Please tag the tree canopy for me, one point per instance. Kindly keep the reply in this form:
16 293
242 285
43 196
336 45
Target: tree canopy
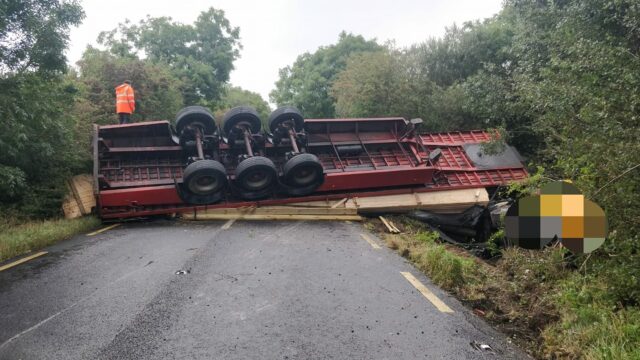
34 34
306 84
158 91
236 96
200 55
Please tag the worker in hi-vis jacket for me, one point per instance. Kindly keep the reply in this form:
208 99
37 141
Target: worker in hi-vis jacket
125 102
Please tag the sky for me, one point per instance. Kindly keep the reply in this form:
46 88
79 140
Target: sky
274 32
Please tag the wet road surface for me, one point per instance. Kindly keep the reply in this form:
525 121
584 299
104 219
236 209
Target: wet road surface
252 290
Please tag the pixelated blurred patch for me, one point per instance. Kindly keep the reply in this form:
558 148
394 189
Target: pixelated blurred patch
560 212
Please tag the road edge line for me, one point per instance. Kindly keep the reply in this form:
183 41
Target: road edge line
439 304
370 241
103 229
23 260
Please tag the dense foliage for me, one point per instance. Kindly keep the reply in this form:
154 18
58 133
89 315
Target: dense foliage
200 55
236 96
34 35
307 82
158 92
36 141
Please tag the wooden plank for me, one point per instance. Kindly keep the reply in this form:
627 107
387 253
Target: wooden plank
80 199
390 227
202 216
70 207
76 196
84 186
281 210
438 201
311 204
339 203
393 226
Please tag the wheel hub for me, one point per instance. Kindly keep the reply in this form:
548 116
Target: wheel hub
257 180
203 184
304 175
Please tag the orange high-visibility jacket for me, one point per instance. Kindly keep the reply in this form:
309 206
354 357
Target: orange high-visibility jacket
125 101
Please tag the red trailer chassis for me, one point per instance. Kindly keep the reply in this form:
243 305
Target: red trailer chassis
137 167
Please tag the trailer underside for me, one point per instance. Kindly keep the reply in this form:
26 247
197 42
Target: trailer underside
138 168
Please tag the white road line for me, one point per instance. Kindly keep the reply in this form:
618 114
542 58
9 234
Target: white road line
426 293
370 241
228 224
82 299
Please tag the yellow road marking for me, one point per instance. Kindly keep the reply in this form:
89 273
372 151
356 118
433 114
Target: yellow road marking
228 224
370 241
103 229
23 260
426 293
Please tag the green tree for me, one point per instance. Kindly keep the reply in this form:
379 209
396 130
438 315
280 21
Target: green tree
158 91
37 138
306 84
34 34
237 96
581 76
201 55
394 82
372 84
465 50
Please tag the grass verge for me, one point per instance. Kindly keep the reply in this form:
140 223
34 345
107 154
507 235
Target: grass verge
547 307
18 239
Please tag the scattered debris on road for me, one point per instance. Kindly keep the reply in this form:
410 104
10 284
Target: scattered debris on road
481 347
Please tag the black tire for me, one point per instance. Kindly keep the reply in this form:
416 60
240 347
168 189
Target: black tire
283 114
195 115
204 177
193 199
302 174
254 195
241 115
256 175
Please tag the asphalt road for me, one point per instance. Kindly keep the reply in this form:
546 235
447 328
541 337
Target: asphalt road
257 290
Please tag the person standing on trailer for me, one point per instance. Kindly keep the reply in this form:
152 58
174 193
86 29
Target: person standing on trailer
125 102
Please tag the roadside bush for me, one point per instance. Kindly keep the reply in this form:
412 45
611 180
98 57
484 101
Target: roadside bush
37 143
13 182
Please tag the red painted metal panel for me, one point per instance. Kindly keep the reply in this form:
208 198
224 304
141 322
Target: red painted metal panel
140 196
135 125
396 176
382 119
456 137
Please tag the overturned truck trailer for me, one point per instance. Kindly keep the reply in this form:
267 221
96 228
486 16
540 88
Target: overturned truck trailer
152 168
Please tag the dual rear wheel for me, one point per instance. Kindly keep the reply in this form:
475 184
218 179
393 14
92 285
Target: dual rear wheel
302 174
205 181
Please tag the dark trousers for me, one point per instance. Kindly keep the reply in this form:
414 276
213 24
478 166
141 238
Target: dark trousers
124 118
